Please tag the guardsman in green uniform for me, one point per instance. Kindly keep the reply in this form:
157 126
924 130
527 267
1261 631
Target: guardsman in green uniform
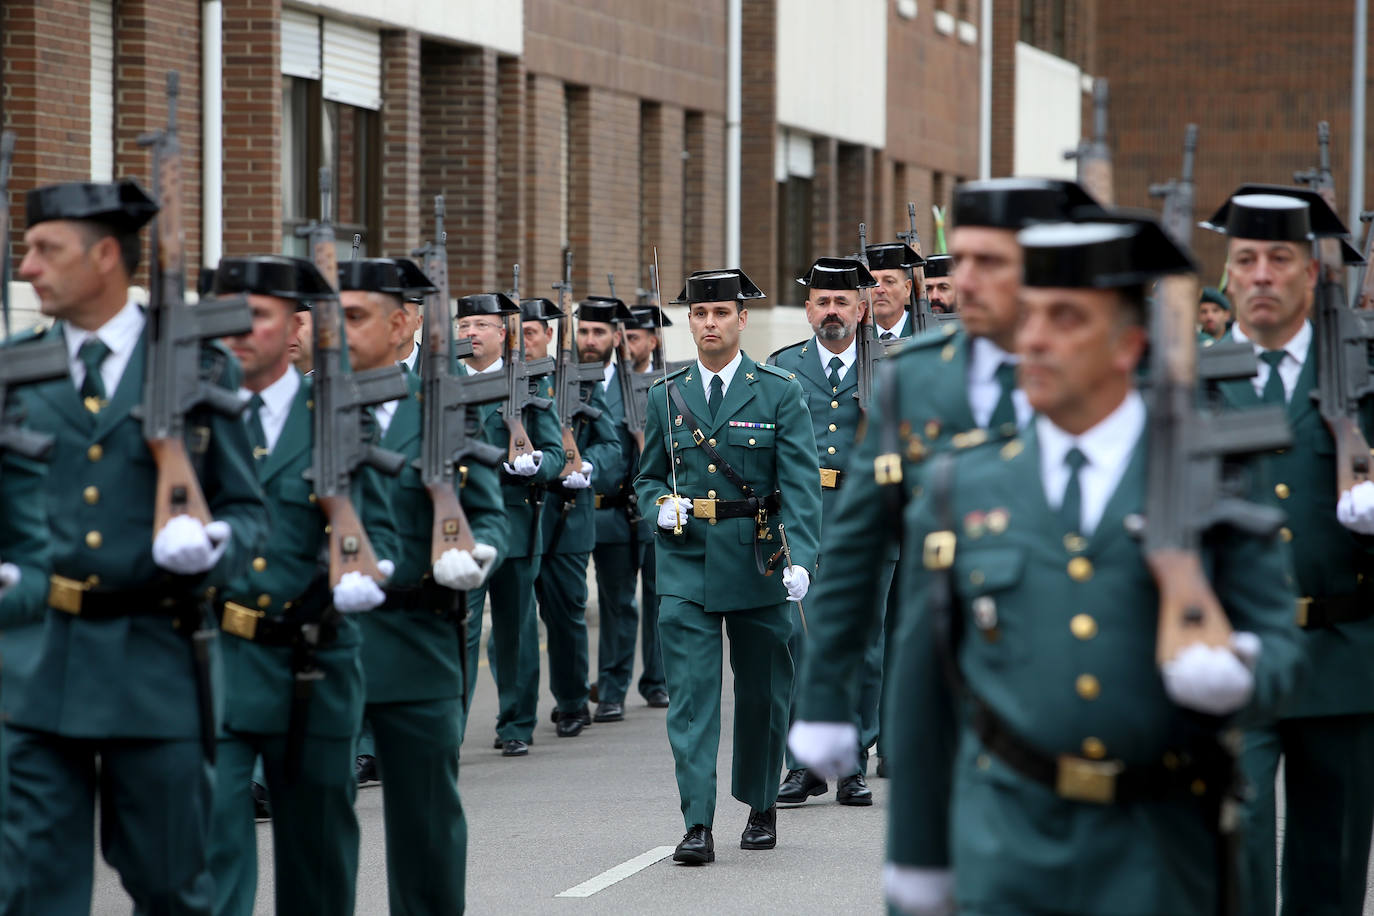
1213 316
730 463
263 616
825 367
952 382
1086 778
514 649
939 270
1325 734
413 645
569 530
618 528
115 676
892 290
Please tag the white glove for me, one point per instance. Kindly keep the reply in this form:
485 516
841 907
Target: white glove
9 577
798 582
828 749
186 547
1355 509
485 557
674 511
456 569
1213 680
525 465
356 592
386 568
579 480
919 891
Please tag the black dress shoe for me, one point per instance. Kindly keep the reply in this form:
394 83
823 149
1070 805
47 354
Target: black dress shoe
658 698
365 768
498 744
515 748
799 786
882 767
697 847
262 811
569 726
854 790
609 712
592 694
761 831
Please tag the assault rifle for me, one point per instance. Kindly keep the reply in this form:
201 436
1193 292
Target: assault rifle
173 383
1187 490
1094 156
869 348
342 427
1364 280
634 389
519 375
448 401
922 317
569 375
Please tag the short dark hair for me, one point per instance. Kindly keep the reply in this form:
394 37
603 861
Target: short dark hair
1133 304
130 245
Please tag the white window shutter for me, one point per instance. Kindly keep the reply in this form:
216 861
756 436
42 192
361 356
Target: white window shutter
102 90
352 65
300 44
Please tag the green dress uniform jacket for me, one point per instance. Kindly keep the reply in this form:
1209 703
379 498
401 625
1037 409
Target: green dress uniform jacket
599 442
315 832
1059 642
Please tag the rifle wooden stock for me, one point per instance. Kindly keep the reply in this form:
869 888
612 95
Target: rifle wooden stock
574 462
451 529
1189 611
349 548
178 491
519 439
1352 453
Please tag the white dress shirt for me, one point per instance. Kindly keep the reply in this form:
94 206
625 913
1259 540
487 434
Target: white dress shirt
726 376
1107 447
850 354
276 404
120 334
409 361
984 391
1294 355
896 330
608 373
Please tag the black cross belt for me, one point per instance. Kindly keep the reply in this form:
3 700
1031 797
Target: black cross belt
1314 613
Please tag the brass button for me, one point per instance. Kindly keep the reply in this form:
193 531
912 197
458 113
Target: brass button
712 521
264 600
91 495
711 468
1075 543
710 494
94 540
1094 749
1282 491
1198 788
752 441
833 427
95 452
1286 534
947 354
259 564
713 442
976 577
1083 626
830 450
1087 687
983 761
92 581
314 498
834 404
1080 569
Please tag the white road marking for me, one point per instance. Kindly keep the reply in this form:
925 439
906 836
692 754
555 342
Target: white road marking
618 873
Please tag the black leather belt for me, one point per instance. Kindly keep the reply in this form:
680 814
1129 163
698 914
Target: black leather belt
622 500
1314 613
1206 776
735 508
72 596
270 630
427 596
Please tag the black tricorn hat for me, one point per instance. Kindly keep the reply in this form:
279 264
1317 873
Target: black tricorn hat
892 256
122 205
720 285
1015 203
487 304
539 309
1127 251
397 276
1276 213
271 275
837 273
651 317
607 310
939 265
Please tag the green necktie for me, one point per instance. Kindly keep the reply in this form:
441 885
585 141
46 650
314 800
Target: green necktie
1005 411
836 364
717 395
1273 388
256 436
887 335
1071 508
92 354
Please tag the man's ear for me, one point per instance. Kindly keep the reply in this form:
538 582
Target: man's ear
106 255
743 317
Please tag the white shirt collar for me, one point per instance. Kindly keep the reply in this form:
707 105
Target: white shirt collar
120 334
1297 347
608 373
896 330
409 361
847 356
276 404
494 367
1290 367
726 375
986 357
385 413
1107 448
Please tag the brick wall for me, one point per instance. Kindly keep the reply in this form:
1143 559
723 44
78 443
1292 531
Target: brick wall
402 206
932 94
854 197
1004 85
661 179
252 127
510 184
825 185
704 220
543 193
603 190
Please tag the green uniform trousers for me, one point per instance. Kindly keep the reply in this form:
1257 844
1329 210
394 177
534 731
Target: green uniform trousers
314 829
562 592
1329 813
154 817
615 595
513 652
890 618
763 679
650 653
426 830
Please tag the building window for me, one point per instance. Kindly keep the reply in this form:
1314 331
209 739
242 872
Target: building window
1028 22
1058 29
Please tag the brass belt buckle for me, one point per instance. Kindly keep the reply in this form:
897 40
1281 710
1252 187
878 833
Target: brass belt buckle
939 550
1087 780
830 478
240 621
887 469
65 594
599 498
1303 609
703 508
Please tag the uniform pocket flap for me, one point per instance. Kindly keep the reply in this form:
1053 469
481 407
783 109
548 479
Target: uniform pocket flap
745 437
989 569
